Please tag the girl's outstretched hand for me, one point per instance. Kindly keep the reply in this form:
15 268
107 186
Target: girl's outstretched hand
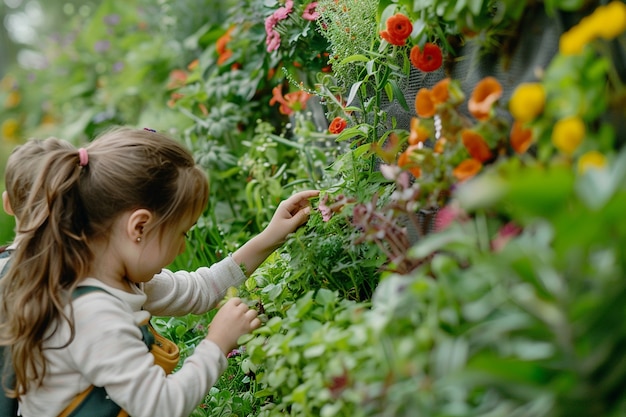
233 320
290 214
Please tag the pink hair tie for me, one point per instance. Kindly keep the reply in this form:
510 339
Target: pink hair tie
83 158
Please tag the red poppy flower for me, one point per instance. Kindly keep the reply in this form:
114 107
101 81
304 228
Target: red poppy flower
337 125
399 28
428 60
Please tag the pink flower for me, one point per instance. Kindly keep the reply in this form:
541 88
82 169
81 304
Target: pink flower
283 12
449 214
273 37
505 234
325 211
310 12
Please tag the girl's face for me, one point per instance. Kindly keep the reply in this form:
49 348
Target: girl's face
160 247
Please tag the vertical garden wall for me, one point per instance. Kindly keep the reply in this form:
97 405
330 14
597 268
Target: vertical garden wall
467 253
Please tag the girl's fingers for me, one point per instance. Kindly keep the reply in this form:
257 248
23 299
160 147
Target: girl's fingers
251 314
255 324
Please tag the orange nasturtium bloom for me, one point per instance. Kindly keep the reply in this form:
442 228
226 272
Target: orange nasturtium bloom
337 125
485 94
568 133
521 137
417 133
476 145
467 169
405 161
441 91
527 102
425 103
399 28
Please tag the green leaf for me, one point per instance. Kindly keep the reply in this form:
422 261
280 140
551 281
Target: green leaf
353 92
398 94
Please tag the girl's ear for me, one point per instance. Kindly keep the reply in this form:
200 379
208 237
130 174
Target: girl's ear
137 221
6 204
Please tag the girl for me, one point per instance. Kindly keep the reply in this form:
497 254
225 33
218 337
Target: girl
113 215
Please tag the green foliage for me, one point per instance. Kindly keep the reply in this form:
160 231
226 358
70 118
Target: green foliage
520 331
512 307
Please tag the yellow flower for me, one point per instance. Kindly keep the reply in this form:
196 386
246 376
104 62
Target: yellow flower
13 99
608 21
568 133
9 129
527 101
591 160
574 40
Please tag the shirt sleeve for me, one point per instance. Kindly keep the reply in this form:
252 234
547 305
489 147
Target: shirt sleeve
108 351
182 292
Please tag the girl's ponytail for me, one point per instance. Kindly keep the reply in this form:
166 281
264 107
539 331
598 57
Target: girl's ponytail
52 253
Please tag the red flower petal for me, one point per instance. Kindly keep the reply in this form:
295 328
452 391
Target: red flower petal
428 60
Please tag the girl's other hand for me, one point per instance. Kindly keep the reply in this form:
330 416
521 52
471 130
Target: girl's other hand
233 320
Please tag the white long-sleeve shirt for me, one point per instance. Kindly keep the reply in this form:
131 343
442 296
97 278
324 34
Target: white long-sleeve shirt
108 349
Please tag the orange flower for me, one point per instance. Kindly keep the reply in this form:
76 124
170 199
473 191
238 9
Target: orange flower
399 28
521 137
440 145
418 133
476 145
223 53
178 78
425 103
441 91
485 94
428 60
337 125
225 56
222 41
405 161
174 97
467 169
297 100
290 102
193 65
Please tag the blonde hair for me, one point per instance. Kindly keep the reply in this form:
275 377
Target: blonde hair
68 206
23 165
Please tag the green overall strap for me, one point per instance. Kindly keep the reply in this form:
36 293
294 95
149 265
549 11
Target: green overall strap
97 403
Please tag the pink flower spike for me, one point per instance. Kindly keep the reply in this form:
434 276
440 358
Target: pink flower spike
310 12
325 211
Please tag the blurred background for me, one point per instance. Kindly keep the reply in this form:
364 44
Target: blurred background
70 68
25 26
